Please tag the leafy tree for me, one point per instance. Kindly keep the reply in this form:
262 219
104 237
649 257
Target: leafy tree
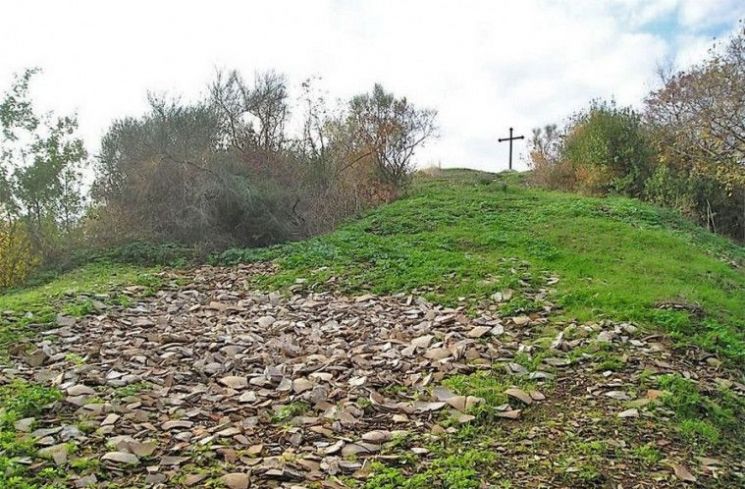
390 129
40 164
698 118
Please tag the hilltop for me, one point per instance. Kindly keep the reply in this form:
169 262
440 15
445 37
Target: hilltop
475 333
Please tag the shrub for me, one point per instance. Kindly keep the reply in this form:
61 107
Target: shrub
603 149
17 257
608 149
222 172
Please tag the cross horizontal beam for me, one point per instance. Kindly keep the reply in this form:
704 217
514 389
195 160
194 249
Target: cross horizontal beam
510 139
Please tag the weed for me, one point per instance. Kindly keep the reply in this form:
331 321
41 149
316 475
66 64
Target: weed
74 358
288 411
701 418
457 471
647 454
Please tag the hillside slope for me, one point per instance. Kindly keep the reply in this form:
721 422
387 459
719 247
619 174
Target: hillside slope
465 235
476 333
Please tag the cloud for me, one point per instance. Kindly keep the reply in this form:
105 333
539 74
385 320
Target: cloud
484 65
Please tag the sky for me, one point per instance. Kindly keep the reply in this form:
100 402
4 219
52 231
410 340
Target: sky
483 65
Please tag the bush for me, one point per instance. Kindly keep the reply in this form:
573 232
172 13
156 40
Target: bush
608 149
604 149
17 258
222 172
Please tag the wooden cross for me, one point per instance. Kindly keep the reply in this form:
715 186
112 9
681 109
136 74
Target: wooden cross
510 139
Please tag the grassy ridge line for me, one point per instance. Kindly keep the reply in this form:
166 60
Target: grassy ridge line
465 235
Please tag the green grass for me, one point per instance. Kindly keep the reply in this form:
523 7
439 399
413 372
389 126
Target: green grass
703 418
39 305
466 236
18 400
288 411
452 470
648 454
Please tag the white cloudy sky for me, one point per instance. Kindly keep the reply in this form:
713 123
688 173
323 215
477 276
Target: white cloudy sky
485 65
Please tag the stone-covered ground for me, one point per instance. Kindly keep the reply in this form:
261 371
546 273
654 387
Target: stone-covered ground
209 383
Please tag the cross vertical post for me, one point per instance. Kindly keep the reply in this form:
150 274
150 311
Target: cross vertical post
510 139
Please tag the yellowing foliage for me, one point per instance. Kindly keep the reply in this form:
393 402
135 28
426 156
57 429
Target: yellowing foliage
17 258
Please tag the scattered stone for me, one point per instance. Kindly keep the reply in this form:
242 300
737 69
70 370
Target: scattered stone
301 385
177 423
438 353
422 341
255 450
324 382
142 449
377 436
58 453
618 395
110 420
86 481
248 396
36 357
121 458
24 424
537 396
606 336
520 395
265 321
194 479
521 320
479 331
714 362
629 413
509 414
682 473
170 461
234 382
80 390
236 480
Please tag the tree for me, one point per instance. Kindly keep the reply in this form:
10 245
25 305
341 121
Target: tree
253 117
390 130
698 118
40 162
545 143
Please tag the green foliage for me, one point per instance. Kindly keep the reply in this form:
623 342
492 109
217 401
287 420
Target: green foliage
223 172
41 161
20 399
609 149
701 418
460 470
150 254
17 257
683 151
648 454
390 129
132 389
487 385
288 411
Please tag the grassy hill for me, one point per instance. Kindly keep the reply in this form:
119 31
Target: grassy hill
465 235
655 405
